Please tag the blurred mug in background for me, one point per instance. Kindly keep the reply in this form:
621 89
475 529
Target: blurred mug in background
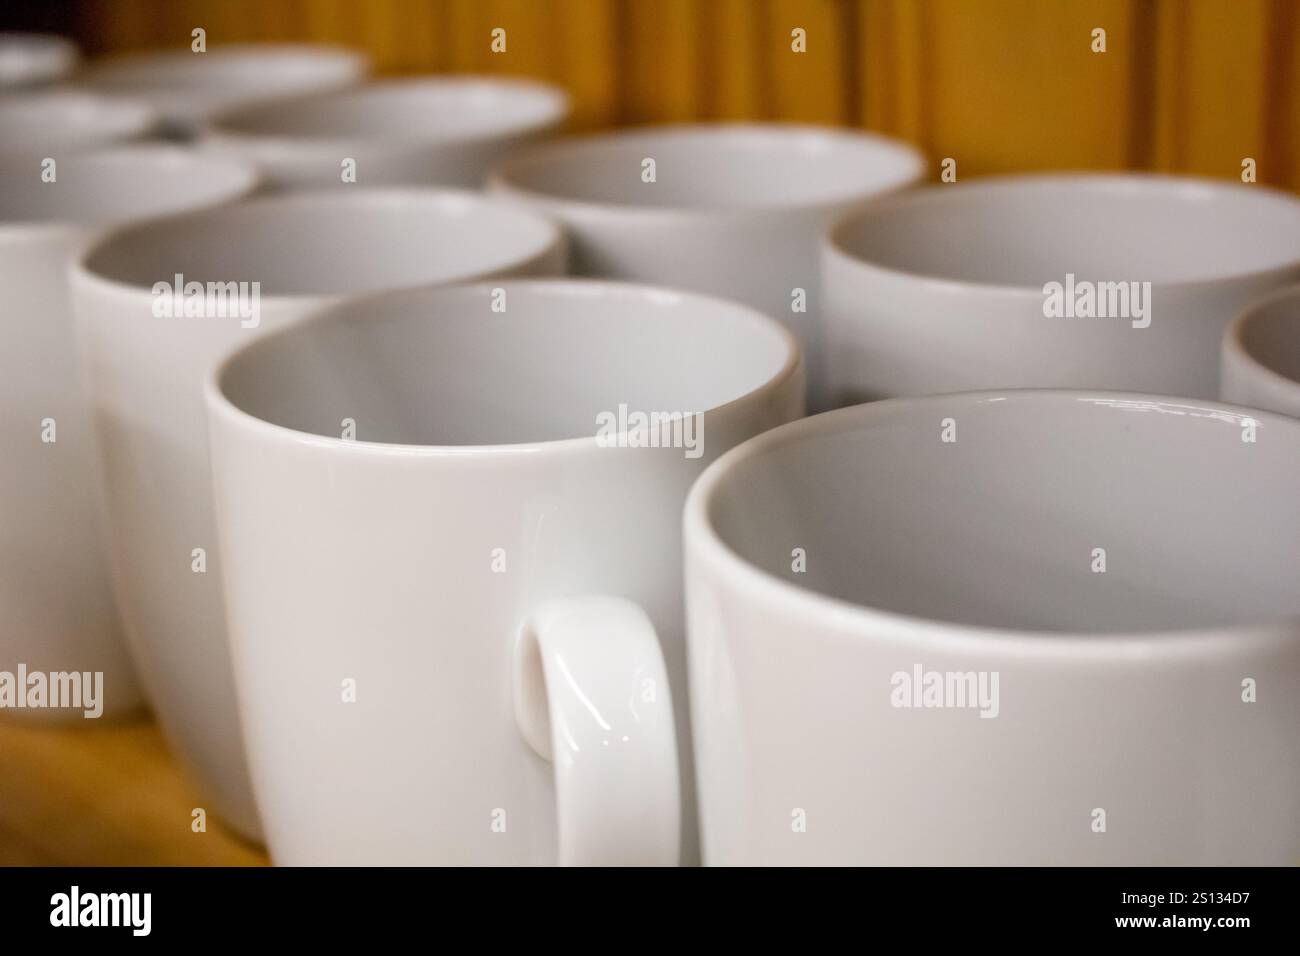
1050 281
188 87
29 60
734 210
158 305
60 614
442 131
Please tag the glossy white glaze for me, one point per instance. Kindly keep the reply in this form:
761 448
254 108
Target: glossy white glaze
1120 690
307 250
445 130
736 210
54 580
942 290
187 87
601 710
424 560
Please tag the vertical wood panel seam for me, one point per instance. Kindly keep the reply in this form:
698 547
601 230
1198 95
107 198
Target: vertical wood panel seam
927 82
711 33
1180 101
621 42
1140 149
851 99
1279 82
766 81
886 49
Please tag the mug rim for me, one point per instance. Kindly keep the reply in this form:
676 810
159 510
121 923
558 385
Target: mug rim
441 196
139 68
212 81
222 126
863 622
503 177
834 248
354 309
1234 345
149 153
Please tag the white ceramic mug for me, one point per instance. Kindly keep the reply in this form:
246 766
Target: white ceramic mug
1021 627
987 284
188 87
426 612
48 124
1260 362
148 360
733 210
59 614
443 130
35 59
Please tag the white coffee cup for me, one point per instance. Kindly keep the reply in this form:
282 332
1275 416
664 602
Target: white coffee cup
47 124
35 59
734 210
483 567
306 251
1260 363
443 130
984 284
188 87
59 615
1021 627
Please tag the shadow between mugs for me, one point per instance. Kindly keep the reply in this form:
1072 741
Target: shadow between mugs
1260 363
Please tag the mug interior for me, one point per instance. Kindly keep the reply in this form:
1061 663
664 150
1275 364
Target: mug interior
329 243
115 185
62 119
1026 231
999 528
1270 335
716 167
435 110
438 367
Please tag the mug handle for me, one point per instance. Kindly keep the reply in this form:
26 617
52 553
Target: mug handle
591 695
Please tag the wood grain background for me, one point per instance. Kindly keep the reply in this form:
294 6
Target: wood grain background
1185 85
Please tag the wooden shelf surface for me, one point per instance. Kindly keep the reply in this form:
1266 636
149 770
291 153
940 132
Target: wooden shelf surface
104 793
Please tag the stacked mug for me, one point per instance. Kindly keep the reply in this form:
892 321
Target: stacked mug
459 506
